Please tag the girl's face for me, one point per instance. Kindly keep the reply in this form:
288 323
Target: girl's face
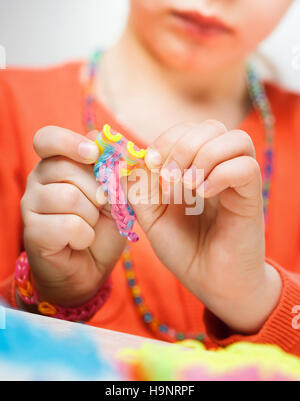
200 35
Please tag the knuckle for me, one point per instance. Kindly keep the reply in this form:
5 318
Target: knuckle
73 224
245 139
217 124
221 173
252 166
182 147
70 196
170 137
186 125
40 135
207 153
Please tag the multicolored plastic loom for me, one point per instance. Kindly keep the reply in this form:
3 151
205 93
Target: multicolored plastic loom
190 361
118 158
38 351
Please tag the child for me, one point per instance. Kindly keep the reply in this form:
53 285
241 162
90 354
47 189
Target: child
180 64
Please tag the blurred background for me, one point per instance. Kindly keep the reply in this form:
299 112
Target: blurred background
45 32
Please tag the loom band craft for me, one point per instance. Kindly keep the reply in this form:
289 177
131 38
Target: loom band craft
118 158
139 154
127 149
111 137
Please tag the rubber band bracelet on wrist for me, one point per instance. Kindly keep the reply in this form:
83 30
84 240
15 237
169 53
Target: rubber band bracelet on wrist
29 296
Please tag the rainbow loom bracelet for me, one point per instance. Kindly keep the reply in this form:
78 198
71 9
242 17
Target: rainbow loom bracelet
29 296
118 158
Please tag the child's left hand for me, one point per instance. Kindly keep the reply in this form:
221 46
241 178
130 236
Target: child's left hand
220 254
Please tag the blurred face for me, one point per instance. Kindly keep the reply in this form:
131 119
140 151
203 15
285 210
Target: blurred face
199 35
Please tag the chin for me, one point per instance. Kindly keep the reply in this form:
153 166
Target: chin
190 57
198 61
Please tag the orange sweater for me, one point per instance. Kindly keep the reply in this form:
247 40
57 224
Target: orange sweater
31 99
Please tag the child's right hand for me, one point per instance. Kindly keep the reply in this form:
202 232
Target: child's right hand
71 246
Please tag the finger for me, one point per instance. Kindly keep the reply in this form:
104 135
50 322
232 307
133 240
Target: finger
59 170
219 149
158 152
106 249
56 141
241 174
179 156
63 198
54 232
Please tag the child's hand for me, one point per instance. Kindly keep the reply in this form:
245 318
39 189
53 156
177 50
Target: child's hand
70 245
220 254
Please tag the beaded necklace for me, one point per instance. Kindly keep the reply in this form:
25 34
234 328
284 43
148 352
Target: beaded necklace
261 103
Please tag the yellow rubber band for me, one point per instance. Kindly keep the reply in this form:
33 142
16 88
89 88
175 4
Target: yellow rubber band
110 136
138 154
101 148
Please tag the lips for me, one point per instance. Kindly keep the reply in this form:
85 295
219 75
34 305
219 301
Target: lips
198 25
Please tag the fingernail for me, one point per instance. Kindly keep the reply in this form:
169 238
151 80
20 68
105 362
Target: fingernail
171 172
101 197
88 151
153 158
203 188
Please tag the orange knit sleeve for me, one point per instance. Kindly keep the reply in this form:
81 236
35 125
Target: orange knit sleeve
10 187
280 329
283 326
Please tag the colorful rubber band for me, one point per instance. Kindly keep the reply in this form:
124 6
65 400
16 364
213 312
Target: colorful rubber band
26 292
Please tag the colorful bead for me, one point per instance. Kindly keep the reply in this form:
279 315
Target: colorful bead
200 337
131 283
136 291
180 336
148 317
163 328
138 300
154 324
261 102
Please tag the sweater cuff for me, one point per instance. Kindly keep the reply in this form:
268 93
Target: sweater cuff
278 328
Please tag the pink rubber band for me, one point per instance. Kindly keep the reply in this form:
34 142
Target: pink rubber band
29 296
